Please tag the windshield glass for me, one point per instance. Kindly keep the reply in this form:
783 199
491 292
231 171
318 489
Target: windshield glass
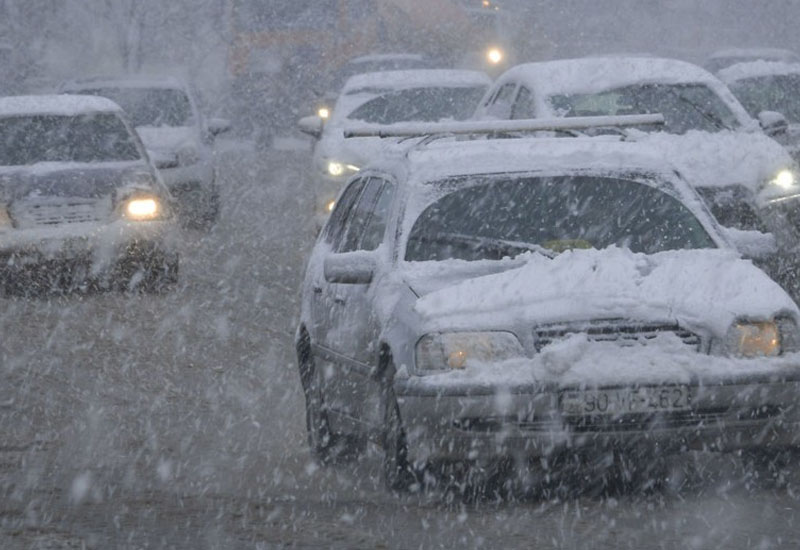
770 93
685 107
420 105
502 218
26 140
150 106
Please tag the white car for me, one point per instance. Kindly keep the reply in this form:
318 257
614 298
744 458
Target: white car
384 98
763 86
80 202
747 178
530 299
723 59
179 138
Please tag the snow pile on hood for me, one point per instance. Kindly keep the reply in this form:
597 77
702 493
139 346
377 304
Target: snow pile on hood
704 289
723 158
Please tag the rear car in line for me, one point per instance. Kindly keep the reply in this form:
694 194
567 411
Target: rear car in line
80 203
519 301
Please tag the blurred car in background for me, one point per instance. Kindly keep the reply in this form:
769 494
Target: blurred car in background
749 181
178 137
725 58
80 204
529 301
769 89
383 99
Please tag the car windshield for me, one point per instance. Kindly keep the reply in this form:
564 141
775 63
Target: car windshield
420 105
150 106
26 140
770 93
493 219
684 106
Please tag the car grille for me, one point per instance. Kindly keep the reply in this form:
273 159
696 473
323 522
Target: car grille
625 334
59 211
700 418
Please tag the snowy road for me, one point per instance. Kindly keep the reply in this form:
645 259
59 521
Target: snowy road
176 421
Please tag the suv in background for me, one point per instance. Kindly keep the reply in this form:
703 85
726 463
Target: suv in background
176 134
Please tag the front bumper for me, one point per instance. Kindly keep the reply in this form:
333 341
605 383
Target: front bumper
468 422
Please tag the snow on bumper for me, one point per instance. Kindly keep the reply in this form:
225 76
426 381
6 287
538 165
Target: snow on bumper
485 419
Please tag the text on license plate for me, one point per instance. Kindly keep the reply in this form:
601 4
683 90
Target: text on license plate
625 400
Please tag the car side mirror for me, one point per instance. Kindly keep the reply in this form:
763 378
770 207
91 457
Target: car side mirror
773 123
163 161
752 244
218 126
311 125
350 268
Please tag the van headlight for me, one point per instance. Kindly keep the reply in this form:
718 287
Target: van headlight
785 179
452 350
142 208
751 339
335 168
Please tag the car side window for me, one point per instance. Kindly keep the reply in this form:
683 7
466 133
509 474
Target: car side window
376 226
501 105
359 216
337 222
523 106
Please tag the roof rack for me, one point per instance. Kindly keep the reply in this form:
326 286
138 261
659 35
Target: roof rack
502 126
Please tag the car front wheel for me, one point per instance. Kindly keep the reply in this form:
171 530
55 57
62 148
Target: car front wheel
398 472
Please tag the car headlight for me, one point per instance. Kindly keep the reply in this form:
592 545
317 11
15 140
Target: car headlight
324 113
336 168
142 208
763 338
452 350
5 218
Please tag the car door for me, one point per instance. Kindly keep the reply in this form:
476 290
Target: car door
354 328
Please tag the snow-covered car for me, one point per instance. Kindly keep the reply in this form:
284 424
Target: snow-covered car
723 59
747 178
176 134
525 298
80 203
769 88
383 98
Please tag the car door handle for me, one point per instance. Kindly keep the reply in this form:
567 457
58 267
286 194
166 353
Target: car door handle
317 289
339 300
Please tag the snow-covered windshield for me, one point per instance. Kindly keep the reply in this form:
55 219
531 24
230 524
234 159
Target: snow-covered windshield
420 105
504 217
684 106
150 106
770 93
26 140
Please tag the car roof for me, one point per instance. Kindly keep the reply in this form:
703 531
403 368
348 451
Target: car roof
371 58
453 158
63 105
754 53
593 74
141 81
416 78
756 69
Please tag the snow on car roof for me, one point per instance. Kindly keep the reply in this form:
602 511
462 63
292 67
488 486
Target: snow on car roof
166 82
65 105
593 74
417 78
387 57
756 69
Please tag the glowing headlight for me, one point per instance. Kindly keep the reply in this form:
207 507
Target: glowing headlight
494 56
337 169
324 113
142 209
329 206
785 179
441 351
755 339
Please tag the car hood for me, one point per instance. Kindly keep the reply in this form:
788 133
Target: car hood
168 139
722 159
57 179
702 289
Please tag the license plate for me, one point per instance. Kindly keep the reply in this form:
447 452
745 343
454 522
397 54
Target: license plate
618 401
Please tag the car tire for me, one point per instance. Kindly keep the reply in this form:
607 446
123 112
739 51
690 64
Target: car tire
398 472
